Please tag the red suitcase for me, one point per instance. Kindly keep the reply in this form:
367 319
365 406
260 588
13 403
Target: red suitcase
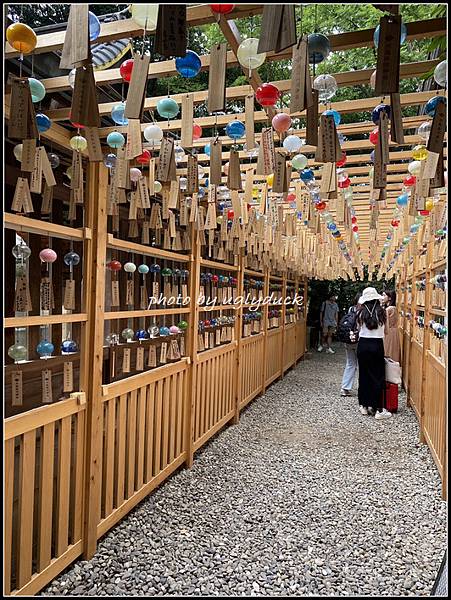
391 397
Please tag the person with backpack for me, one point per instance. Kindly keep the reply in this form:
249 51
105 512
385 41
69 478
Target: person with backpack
328 323
347 324
371 320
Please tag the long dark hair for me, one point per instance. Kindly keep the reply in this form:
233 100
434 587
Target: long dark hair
372 314
391 297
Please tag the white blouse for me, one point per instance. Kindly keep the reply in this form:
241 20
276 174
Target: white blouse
364 332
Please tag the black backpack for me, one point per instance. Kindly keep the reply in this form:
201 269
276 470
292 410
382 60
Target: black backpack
347 324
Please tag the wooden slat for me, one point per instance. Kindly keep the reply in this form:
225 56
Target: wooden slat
79 476
121 445
25 511
131 443
8 489
150 429
63 490
45 511
165 421
158 429
142 401
108 460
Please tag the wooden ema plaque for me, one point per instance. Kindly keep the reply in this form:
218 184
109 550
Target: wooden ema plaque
85 108
388 55
279 181
47 395
76 48
438 128
278 30
28 155
94 148
215 161
301 83
311 133
137 88
22 118
22 198
328 148
268 152
396 127
166 158
234 174
171 32
438 181
192 175
133 147
216 78
186 134
249 121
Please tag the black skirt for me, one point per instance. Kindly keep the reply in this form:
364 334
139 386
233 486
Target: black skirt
370 355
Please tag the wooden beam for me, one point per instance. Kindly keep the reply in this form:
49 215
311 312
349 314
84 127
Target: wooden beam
346 79
344 107
127 28
341 41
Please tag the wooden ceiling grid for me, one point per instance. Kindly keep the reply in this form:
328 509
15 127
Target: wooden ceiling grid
358 150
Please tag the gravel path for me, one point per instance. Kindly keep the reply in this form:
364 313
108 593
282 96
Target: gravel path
304 497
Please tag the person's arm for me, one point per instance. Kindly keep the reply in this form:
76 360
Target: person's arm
321 315
336 315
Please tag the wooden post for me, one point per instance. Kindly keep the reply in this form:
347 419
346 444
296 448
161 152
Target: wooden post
191 379
305 316
413 311
95 281
284 312
238 337
426 336
265 327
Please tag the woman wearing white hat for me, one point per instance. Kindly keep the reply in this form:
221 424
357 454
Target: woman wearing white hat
370 354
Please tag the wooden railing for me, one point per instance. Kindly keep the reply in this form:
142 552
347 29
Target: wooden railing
251 368
215 381
43 494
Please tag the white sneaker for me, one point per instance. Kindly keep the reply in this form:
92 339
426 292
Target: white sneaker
363 410
320 348
330 351
384 414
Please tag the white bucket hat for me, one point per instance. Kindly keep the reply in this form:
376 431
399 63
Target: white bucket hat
369 294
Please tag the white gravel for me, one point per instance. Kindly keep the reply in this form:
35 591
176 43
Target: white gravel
304 497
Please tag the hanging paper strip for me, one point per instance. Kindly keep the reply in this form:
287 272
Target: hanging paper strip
171 32
216 78
388 55
137 88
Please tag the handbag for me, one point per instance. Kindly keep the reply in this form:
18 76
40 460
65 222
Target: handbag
392 371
